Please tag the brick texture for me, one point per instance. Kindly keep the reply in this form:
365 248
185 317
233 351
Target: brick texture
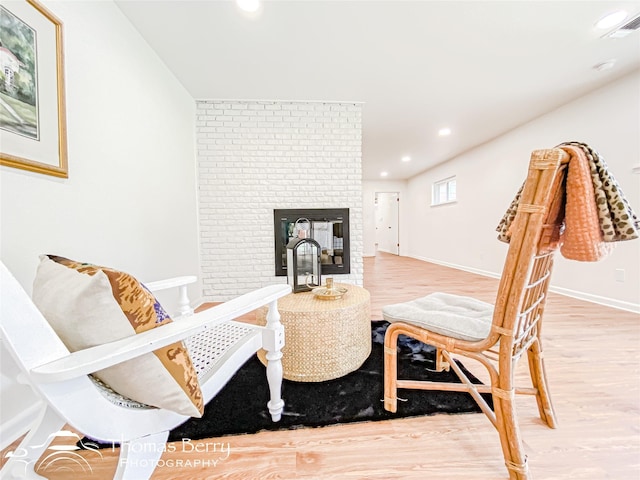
256 156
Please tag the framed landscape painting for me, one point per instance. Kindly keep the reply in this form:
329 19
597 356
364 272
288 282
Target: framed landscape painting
32 102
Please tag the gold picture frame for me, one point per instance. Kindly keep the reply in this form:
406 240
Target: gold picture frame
33 133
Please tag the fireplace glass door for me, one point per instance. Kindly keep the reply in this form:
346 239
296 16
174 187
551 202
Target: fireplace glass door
328 227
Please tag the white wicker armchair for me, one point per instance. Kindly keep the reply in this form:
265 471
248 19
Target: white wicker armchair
217 345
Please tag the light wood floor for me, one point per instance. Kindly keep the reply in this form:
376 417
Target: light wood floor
593 364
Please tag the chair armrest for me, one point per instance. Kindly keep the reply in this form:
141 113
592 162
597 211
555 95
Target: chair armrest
184 305
89 360
170 283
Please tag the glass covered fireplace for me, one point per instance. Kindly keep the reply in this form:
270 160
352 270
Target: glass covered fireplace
327 226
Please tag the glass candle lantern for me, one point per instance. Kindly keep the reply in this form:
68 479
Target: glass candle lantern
303 264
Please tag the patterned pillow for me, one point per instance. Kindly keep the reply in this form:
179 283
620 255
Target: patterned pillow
88 305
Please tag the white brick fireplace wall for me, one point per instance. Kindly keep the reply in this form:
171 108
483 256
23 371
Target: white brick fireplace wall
256 156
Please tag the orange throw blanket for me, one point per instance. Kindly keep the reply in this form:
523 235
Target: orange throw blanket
582 239
596 211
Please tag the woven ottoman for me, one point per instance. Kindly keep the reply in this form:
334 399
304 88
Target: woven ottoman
324 339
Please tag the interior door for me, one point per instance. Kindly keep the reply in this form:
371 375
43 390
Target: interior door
387 217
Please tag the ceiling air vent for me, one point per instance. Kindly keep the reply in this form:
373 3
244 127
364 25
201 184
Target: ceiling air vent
626 29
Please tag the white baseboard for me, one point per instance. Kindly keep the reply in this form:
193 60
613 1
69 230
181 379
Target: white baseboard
606 301
484 273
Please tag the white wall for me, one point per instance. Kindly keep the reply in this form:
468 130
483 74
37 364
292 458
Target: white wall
488 177
257 156
130 199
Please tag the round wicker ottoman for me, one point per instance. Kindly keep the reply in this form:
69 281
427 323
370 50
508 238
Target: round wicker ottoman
324 339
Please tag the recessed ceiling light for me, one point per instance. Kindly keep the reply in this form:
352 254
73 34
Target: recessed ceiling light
384 174
443 132
249 5
611 19
406 158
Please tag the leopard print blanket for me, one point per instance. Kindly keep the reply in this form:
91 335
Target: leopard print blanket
617 220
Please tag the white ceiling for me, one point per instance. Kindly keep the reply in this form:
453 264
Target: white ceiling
478 67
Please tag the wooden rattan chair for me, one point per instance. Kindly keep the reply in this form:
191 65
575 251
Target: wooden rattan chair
513 325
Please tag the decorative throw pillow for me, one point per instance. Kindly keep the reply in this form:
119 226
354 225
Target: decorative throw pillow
88 305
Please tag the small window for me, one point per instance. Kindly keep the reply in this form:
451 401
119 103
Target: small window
444 191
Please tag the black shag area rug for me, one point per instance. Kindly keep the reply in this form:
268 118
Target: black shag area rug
240 407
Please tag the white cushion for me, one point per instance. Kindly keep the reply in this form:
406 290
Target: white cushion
88 305
456 316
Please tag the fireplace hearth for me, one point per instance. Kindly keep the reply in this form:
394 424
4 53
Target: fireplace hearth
327 226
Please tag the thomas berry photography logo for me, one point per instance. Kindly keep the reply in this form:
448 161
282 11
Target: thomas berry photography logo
194 454
61 457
